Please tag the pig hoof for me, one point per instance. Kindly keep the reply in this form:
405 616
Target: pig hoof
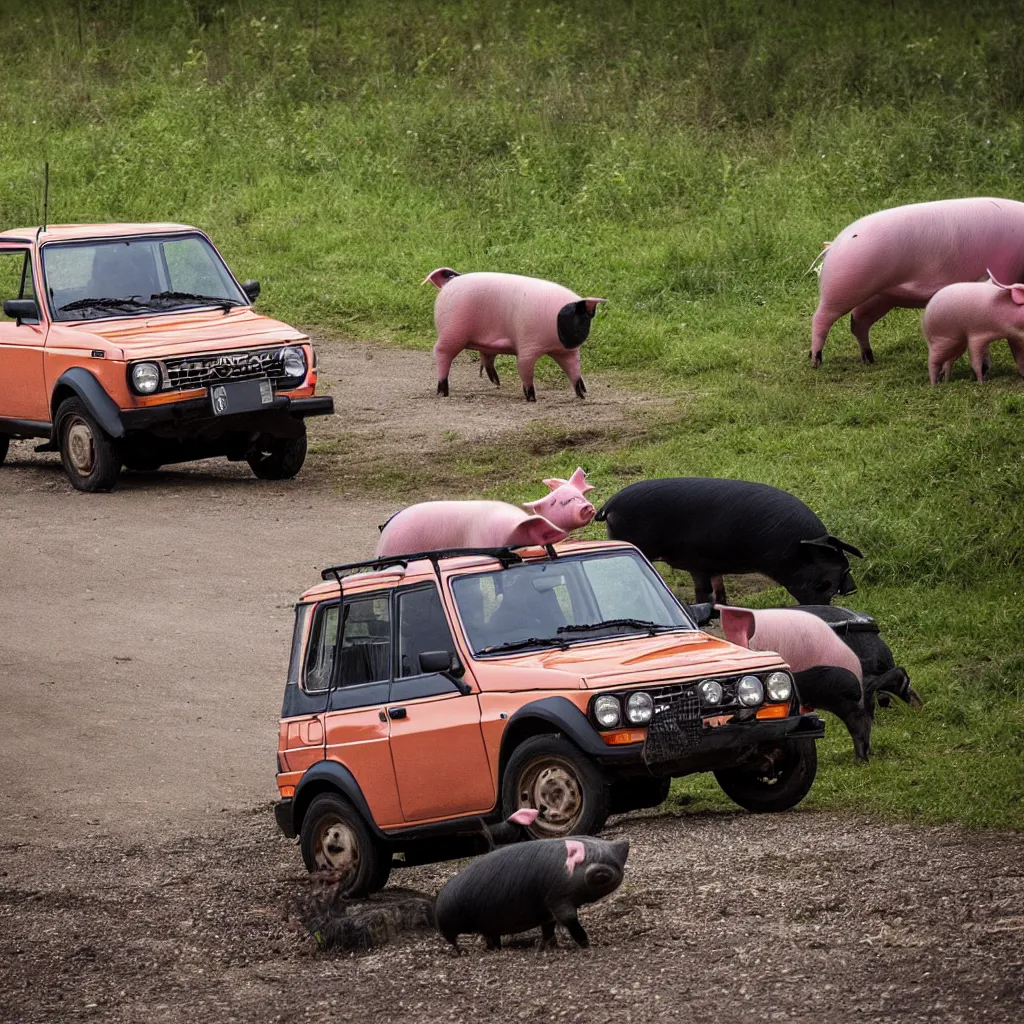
530 394
442 388
985 368
581 388
815 359
867 356
492 376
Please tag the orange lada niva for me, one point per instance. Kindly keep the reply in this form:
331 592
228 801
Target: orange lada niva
134 345
431 695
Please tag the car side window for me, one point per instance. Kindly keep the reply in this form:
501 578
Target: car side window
366 641
421 627
323 636
15 277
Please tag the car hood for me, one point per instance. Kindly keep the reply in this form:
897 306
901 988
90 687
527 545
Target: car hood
175 334
620 662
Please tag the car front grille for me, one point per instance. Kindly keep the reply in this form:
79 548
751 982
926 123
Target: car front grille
666 697
218 367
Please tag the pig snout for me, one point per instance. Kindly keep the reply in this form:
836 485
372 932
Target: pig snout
846 584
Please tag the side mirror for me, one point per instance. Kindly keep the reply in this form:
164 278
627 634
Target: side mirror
21 309
446 663
251 289
702 614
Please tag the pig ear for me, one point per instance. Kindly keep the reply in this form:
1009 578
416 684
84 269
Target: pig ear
992 278
579 481
553 483
524 816
535 530
841 545
737 624
440 277
591 305
1017 293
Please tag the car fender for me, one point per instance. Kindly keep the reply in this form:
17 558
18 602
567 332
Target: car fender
323 777
102 407
557 712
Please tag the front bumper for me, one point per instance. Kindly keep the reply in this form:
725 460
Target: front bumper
283 816
195 413
723 747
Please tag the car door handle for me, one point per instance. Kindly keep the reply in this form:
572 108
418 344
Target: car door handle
396 712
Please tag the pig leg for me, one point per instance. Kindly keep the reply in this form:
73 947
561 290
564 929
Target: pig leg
702 587
864 317
565 915
1017 351
525 366
718 584
547 936
942 354
822 323
444 353
492 941
487 365
979 360
570 363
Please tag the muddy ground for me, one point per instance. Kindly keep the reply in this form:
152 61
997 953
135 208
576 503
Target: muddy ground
143 644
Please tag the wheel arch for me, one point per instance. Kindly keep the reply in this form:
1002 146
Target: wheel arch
548 715
330 777
77 382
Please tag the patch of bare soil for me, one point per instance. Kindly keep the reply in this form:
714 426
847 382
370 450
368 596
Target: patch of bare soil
722 918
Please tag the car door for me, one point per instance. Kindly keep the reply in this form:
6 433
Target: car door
437 744
307 688
356 723
22 386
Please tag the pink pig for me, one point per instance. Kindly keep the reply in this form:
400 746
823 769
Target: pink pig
968 317
440 525
802 639
903 256
507 314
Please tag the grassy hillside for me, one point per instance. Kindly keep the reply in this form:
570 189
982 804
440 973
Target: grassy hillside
684 160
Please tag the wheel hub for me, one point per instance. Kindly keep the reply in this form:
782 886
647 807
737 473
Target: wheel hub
556 793
80 448
337 850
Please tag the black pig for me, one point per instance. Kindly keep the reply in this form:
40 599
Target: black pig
529 885
709 527
830 688
861 634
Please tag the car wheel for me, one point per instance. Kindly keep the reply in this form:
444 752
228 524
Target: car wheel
89 454
783 779
280 458
335 839
554 776
5 443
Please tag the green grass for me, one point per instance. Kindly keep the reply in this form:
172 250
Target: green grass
685 161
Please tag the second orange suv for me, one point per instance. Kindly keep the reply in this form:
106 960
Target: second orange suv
432 693
134 345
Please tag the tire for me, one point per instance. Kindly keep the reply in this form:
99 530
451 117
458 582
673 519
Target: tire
89 454
554 776
335 838
5 443
783 787
280 458
637 794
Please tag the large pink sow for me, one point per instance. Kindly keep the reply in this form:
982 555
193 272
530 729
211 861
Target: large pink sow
903 256
507 314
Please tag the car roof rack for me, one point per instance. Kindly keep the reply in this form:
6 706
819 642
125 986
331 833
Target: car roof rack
506 555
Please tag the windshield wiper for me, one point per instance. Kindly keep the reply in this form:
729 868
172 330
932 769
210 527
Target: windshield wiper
533 641
584 627
206 300
103 304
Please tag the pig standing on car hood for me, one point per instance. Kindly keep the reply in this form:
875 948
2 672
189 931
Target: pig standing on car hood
508 314
441 525
708 527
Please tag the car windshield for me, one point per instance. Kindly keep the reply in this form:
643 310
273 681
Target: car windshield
563 601
134 276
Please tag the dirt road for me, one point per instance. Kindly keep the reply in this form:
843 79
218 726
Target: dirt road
143 643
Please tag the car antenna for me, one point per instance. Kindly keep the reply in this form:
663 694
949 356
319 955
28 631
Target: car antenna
46 198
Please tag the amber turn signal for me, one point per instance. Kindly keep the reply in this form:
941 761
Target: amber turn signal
624 736
774 711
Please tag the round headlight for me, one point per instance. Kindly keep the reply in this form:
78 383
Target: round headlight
780 686
606 711
145 378
293 362
711 691
749 691
639 708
